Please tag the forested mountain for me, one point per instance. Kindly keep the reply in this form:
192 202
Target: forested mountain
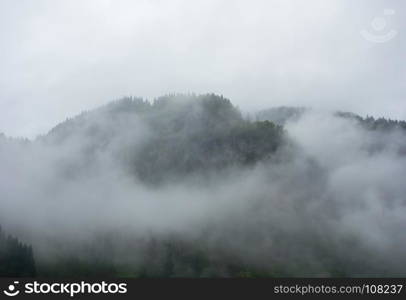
184 186
184 134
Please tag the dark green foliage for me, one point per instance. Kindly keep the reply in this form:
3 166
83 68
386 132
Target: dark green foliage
382 124
205 133
371 123
16 258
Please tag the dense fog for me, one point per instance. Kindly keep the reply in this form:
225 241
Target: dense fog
323 195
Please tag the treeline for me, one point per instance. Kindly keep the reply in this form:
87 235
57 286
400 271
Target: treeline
372 123
16 258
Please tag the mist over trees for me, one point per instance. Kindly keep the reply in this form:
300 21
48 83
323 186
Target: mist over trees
281 115
185 186
186 134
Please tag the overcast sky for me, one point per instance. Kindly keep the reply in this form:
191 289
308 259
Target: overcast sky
58 58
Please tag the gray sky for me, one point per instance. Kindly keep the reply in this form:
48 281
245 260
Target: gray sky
58 58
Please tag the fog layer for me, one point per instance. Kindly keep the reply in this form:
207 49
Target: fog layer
329 200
